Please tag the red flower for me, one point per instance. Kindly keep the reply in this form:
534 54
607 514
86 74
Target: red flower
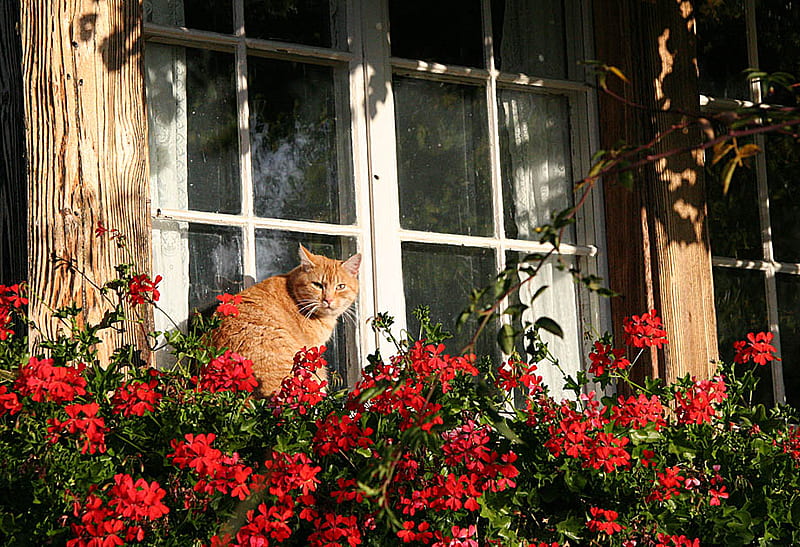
137 500
9 402
91 428
303 389
757 348
669 482
514 373
102 230
340 434
228 303
637 412
44 381
718 494
604 521
604 356
229 372
644 330
665 540
140 285
135 398
422 534
694 406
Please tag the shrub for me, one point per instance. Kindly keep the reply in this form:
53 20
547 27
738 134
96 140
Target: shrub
427 449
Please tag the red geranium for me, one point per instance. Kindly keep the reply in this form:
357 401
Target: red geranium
757 348
645 330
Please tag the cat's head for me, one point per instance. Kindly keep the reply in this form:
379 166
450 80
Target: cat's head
323 286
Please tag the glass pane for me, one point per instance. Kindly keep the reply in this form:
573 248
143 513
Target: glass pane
300 135
215 264
276 253
528 37
311 22
722 49
560 303
536 166
443 157
739 297
442 277
783 155
216 16
733 221
789 322
193 135
445 31
212 142
778 28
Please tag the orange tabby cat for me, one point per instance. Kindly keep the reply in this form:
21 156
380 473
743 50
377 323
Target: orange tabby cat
284 313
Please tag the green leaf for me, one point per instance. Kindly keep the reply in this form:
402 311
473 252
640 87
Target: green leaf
545 323
571 527
505 338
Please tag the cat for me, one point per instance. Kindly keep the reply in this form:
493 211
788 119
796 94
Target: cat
285 313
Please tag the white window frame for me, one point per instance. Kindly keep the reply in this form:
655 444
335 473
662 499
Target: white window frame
377 229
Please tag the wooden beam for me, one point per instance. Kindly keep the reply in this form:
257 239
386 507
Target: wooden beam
659 255
86 144
13 238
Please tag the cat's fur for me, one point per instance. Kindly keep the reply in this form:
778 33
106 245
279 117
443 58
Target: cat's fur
285 313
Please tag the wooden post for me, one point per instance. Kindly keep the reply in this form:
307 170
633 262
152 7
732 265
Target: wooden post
85 129
13 237
659 254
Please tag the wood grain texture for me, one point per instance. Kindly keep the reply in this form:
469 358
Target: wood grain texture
659 253
85 128
13 238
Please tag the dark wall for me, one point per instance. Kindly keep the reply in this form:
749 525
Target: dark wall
13 195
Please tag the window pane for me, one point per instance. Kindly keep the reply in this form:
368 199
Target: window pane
535 155
741 306
560 303
733 220
276 253
528 37
442 277
299 130
443 157
311 22
722 49
216 16
783 155
445 31
778 36
193 135
215 264
789 321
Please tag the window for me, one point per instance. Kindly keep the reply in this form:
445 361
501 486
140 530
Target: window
754 235
433 137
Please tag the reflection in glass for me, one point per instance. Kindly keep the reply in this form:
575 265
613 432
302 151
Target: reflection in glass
215 264
443 157
442 277
778 36
446 31
789 323
783 155
216 16
212 141
559 301
535 155
722 49
528 37
740 300
276 253
299 130
310 22
733 221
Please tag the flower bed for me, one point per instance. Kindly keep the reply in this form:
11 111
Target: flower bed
427 449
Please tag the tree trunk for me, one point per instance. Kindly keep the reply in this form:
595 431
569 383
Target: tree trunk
657 234
85 129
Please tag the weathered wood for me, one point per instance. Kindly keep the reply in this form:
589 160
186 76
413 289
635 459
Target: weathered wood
13 237
85 128
659 254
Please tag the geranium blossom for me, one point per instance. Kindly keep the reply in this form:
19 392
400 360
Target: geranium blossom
757 348
645 330
140 285
9 402
135 398
604 521
228 372
303 389
695 405
228 304
137 500
605 357
84 421
44 381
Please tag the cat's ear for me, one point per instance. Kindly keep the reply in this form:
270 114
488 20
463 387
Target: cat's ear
352 264
305 258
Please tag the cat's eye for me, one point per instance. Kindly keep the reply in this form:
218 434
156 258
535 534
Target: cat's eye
318 285
340 287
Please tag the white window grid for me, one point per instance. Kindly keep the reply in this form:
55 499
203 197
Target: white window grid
377 230
768 264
